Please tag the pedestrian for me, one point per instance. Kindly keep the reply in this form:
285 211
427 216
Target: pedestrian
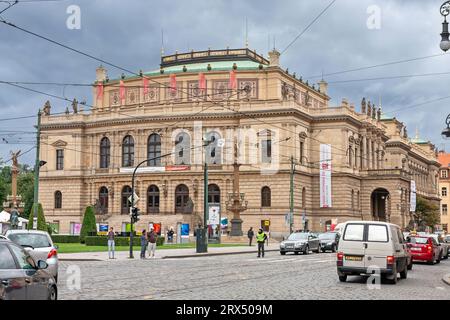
144 243
170 235
111 243
151 243
261 239
250 235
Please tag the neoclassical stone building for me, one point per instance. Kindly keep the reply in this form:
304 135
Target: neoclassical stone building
253 113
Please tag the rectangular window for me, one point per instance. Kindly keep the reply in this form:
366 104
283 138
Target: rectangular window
354 232
444 209
59 159
377 233
444 174
266 151
302 151
444 192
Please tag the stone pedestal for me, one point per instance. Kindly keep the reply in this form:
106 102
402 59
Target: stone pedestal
236 228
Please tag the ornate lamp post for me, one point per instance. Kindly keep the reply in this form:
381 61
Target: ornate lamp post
445 42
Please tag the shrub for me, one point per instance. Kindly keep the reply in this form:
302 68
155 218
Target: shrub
41 224
160 241
89 226
65 239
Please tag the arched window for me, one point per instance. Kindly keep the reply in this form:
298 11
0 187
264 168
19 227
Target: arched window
153 199
304 198
181 199
182 149
265 197
128 151
213 150
105 151
58 200
103 199
213 194
126 204
154 150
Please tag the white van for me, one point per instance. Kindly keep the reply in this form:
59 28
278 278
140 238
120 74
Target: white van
368 247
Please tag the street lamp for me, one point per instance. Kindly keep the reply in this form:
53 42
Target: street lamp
446 132
445 42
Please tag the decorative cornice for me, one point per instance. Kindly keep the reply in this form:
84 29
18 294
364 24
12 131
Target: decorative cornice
59 143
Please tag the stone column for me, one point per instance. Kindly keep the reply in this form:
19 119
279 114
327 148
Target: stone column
369 154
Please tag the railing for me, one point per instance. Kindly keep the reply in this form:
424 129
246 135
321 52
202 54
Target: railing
214 54
388 172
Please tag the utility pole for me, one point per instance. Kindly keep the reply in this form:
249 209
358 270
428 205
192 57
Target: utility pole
291 206
37 165
205 203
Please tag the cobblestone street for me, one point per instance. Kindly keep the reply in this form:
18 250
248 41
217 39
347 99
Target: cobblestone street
242 276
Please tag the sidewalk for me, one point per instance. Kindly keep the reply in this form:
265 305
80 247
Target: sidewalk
165 253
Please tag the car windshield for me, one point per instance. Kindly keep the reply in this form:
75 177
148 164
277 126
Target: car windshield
298 236
30 239
417 240
327 236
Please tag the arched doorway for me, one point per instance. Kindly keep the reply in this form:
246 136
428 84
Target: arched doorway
380 205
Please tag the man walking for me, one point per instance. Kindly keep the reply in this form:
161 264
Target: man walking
250 235
144 243
151 243
111 243
170 235
261 239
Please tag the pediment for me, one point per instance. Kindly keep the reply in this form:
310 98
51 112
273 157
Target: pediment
59 143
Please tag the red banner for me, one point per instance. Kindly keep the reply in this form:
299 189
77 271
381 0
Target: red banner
122 90
173 83
100 91
178 168
145 85
201 82
233 80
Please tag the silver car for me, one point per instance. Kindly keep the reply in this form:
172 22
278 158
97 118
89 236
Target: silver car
39 245
300 242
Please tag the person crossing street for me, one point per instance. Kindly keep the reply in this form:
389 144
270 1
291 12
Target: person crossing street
261 239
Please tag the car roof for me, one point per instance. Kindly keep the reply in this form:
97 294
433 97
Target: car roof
372 222
26 231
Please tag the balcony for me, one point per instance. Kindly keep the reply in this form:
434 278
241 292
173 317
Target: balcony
388 172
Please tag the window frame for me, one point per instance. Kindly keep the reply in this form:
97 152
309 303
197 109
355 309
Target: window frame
155 195
154 148
105 153
59 159
266 191
58 200
128 151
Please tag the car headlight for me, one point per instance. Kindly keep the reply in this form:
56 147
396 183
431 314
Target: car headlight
298 244
329 243
282 245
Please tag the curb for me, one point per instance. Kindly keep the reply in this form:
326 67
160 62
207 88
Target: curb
214 254
446 279
81 259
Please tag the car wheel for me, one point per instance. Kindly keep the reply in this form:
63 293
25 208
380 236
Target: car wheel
282 253
393 278
333 248
343 278
318 250
323 250
404 273
53 294
306 251
296 252
438 260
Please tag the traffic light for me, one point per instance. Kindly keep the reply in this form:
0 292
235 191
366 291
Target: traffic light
135 215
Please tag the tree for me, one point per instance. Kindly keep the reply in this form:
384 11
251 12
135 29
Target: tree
89 224
41 224
25 184
427 214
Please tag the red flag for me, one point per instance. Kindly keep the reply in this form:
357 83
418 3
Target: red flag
122 90
100 91
201 82
145 84
173 83
233 81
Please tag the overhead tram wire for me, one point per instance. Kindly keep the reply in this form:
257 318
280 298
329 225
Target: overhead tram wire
308 26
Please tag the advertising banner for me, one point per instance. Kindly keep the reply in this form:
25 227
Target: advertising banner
413 196
185 230
156 228
214 215
325 176
224 222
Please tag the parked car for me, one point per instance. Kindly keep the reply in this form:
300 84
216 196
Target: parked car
444 245
21 277
369 246
329 241
40 247
424 248
300 242
447 239
2 237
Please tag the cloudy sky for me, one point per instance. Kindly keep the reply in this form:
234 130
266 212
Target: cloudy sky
128 33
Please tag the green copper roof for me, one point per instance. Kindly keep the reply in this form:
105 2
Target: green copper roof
385 117
419 141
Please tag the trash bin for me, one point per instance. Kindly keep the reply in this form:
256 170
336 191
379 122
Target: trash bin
202 242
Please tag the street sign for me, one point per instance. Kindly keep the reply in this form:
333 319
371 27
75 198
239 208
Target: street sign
136 199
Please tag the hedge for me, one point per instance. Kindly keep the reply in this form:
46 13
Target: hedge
65 239
119 241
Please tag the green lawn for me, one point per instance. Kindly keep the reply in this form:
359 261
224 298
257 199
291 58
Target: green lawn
77 247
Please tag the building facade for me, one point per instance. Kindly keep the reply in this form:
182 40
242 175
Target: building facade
444 188
227 107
